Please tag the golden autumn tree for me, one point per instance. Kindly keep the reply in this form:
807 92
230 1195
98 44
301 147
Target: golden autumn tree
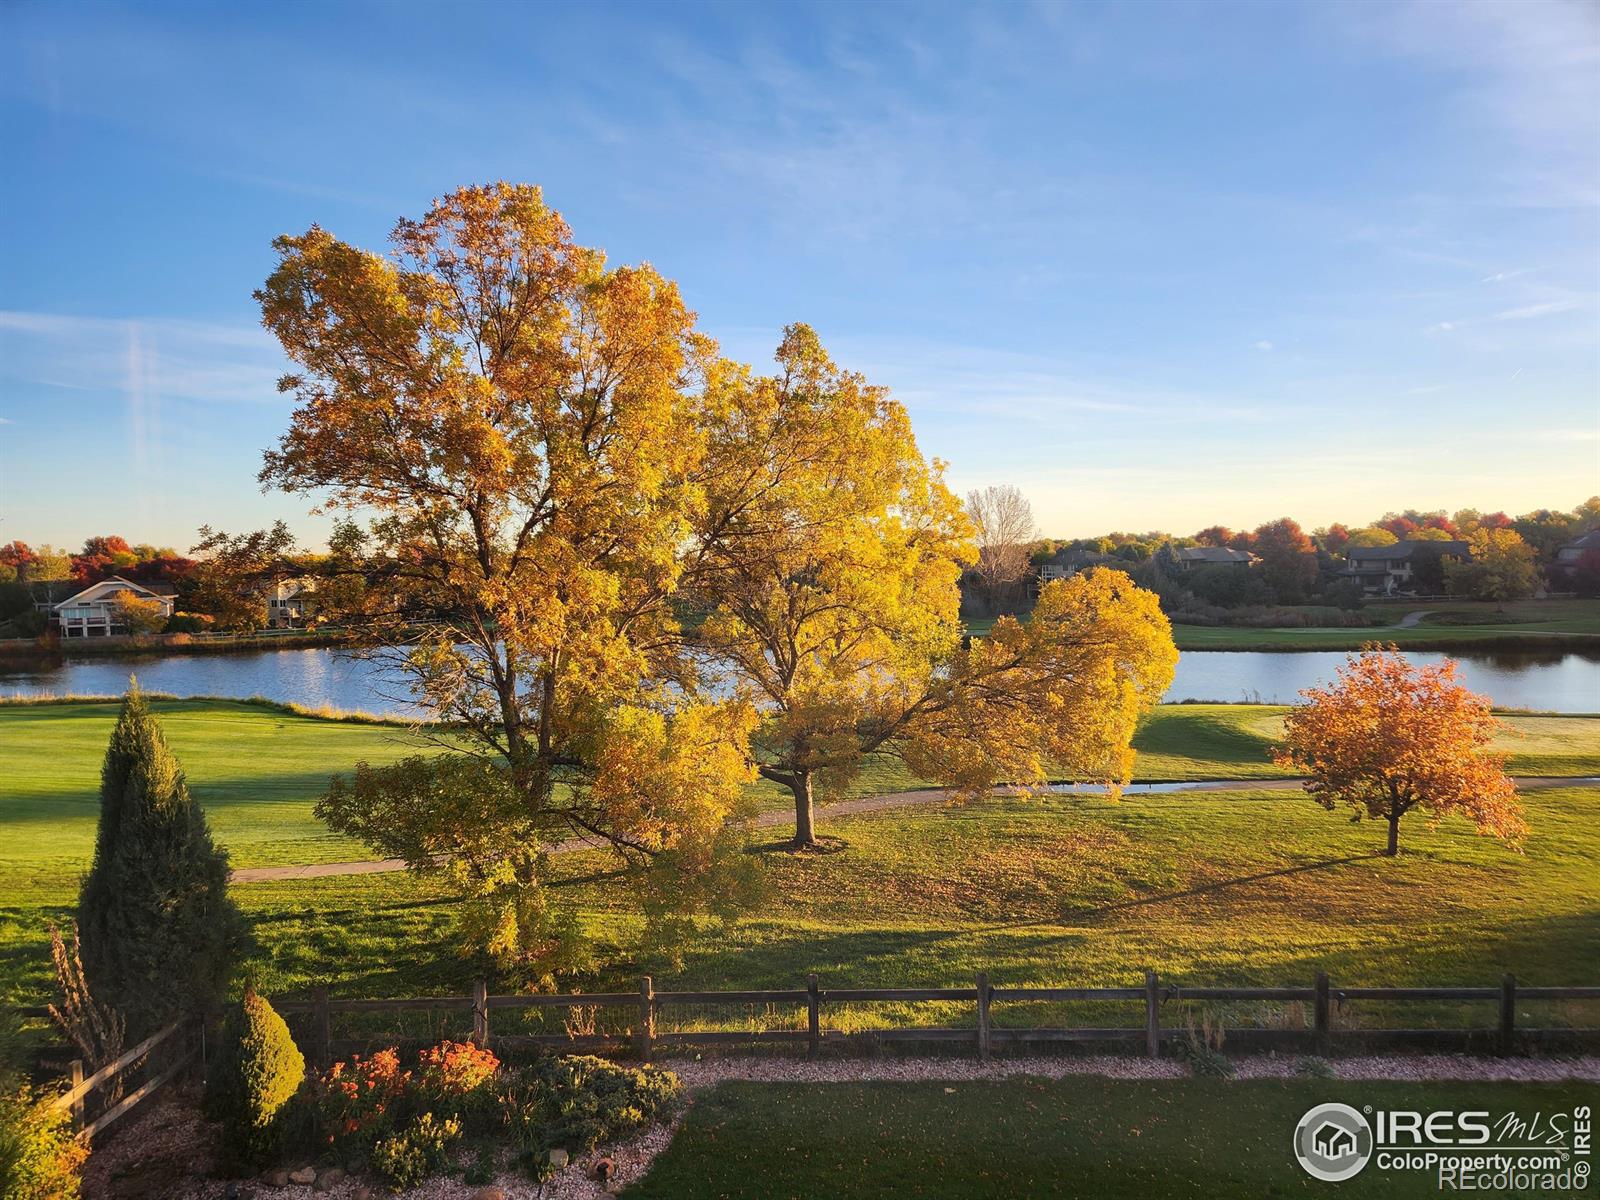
521 423
1501 567
828 556
1387 737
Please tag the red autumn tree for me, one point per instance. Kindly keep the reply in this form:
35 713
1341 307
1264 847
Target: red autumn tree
1387 737
1288 559
101 556
1335 538
1215 535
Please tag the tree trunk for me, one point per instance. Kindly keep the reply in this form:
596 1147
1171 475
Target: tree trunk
805 835
1394 830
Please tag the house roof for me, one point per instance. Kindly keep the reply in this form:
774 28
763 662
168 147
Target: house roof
1213 554
1589 541
1401 551
118 583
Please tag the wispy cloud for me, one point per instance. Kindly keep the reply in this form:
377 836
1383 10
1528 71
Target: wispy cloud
1503 276
152 357
1527 70
1530 311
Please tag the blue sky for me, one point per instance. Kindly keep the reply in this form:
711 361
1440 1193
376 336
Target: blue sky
1160 265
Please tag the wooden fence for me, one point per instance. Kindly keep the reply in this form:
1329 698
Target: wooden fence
179 1044
165 1054
645 1005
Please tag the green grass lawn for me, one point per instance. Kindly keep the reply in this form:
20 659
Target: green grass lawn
1214 887
256 769
1103 1138
1234 741
1530 624
1223 888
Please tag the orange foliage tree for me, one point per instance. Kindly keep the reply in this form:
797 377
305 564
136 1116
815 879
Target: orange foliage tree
1388 737
632 574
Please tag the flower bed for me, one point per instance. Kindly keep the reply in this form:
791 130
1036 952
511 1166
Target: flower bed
458 1110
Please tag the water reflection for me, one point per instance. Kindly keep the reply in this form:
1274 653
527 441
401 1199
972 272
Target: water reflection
367 681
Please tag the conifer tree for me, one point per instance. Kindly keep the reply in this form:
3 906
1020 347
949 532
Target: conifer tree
159 933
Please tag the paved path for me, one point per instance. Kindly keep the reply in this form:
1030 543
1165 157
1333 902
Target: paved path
866 804
1411 620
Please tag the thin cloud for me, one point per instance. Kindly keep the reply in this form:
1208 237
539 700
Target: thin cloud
1530 311
1502 276
148 359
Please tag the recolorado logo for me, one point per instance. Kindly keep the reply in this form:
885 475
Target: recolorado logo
1333 1142
1466 1151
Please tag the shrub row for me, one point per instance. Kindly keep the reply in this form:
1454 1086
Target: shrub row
406 1121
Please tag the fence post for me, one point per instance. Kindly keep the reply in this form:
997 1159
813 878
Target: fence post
983 1015
647 1019
813 1017
480 1013
1508 1012
77 1105
322 1027
1152 1014
1321 1013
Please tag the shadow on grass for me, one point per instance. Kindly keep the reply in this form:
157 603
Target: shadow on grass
826 844
1090 912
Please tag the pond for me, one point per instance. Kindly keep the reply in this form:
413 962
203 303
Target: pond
342 679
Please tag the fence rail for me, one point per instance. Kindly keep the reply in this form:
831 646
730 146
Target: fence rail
166 1053
646 1005
110 1078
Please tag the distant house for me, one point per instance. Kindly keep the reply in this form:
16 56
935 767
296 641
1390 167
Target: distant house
1571 554
1054 570
1392 570
288 603
1069 563
1190 557
92 611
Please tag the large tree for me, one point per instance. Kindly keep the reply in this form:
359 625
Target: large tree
1387 737
1002 519
523 419
1501 567
1288 559
828 558
159 933
628 573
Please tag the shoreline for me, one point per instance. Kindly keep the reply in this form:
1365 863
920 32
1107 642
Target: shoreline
1312 640
48 699
171 643
1530 641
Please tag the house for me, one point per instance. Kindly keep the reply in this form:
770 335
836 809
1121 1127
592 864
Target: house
288 603
1571 554
93 611
1190 557
1393 570
1067 564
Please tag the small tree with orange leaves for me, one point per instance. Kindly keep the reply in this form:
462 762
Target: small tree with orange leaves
1388 737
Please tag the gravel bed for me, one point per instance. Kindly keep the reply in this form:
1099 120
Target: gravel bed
706 1072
